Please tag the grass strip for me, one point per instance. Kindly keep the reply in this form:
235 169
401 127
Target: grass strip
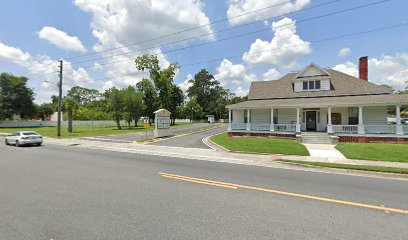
351 166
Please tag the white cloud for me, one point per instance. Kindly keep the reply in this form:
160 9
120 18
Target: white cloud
61 39
12 54
43 72
234 77
386 69
285 47
271 74
117 23
239 7
344 52
185 84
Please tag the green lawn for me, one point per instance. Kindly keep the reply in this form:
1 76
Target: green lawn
84 131
375 151
260 145
352 167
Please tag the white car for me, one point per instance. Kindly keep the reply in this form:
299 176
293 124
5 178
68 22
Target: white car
24 138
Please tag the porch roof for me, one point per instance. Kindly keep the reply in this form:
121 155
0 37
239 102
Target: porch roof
340 101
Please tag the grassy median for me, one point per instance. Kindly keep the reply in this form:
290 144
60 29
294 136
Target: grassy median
351 167
260 145
375 151
85 131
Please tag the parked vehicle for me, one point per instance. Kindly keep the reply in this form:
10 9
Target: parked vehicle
24 138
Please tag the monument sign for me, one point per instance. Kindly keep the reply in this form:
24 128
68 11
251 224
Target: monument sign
162 120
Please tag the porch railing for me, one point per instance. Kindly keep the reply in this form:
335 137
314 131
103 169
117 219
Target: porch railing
285 127
345 128
380 129
238 126
405 129
260 126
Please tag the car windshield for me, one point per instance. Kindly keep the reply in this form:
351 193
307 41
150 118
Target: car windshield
30 133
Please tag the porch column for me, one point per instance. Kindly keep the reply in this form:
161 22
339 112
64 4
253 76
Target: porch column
272 123
248 127
297 120
329 120
361 129
399 129
229 119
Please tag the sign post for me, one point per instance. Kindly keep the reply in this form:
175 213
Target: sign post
162 120
146 125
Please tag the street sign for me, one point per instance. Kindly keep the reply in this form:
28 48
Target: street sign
146 120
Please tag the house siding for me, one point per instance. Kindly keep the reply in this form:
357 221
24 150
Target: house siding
261 116
287 116
238 116
325 84
375 115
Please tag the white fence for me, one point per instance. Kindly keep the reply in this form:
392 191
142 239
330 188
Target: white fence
16 124
387 129
345 128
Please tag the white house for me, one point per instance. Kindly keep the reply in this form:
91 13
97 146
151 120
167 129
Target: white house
301 102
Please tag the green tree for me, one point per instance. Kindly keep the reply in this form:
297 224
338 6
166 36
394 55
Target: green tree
177 99
45 110
193 110
150 98
70 106
162 78
115 105
83 96
15 97
203 90
132 105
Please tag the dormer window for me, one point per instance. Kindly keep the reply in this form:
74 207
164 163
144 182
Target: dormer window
311 85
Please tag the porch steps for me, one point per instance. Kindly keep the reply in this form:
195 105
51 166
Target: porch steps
315 138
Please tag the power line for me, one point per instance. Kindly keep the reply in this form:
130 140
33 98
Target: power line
183 31
208 34
249 33
273 49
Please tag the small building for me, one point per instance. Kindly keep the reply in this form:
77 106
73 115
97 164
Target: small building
211 119
320 100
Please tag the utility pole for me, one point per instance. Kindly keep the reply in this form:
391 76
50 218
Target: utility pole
60 98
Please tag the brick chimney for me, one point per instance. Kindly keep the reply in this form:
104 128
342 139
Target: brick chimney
363 68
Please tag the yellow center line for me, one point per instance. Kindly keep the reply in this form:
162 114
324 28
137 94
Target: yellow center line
305 196
202 182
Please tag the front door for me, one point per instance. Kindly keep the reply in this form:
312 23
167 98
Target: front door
311 121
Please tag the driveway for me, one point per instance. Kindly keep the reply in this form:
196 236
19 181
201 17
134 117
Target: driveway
193 140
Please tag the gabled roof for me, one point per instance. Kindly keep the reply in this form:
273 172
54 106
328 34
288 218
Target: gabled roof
312 65
341 85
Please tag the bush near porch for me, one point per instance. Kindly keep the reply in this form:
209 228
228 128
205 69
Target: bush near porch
375 151
260 145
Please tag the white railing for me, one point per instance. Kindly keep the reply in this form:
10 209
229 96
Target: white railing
285 127
238 126
260 126
405 129
345 128
380 129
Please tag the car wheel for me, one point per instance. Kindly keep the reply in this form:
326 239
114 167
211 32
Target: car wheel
39 144
5 141
17 144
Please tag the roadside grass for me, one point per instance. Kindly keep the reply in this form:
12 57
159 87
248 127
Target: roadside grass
375 151
260 145
86 131
350 166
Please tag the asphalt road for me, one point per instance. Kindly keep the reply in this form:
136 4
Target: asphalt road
193 140
55 192
140 136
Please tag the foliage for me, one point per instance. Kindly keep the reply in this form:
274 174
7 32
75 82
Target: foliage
15 97
177 99
83 96
88 113
132 105
193 110
115 105
45 110
260 145
350 166
150 98
375 151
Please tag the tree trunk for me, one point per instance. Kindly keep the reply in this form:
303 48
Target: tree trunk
136 119
70 119
118 124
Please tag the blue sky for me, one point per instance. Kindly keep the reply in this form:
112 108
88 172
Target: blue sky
34 34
